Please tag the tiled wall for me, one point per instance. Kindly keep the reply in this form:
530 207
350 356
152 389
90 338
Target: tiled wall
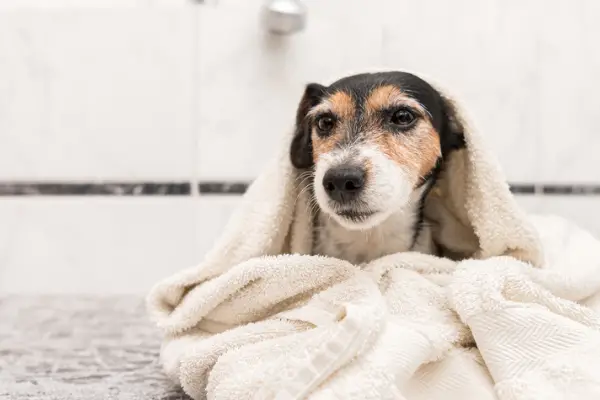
190 91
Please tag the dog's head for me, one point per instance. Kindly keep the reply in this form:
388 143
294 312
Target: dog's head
373 140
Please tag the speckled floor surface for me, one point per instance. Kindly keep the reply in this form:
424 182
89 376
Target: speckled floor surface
71 347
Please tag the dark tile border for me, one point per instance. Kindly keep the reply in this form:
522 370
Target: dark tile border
574 190
95 189
562 189
223 188
518 189
220 188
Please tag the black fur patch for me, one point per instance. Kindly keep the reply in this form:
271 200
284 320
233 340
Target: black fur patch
301 148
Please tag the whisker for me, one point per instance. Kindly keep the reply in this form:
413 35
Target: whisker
303 182
302 191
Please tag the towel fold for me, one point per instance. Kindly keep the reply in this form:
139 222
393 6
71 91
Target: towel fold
508 312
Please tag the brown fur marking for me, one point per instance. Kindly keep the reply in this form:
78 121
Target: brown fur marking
417 151
325 145
381 98
385 96
342 106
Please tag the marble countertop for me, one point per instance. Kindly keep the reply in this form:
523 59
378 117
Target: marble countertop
79 347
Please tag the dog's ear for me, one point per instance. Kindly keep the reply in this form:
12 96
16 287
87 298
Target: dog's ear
301 149
452 136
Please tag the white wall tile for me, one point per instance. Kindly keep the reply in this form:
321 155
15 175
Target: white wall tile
101 89
50 4
529 203
583 210
104 245
568 92
484 52
96 93
212 215
250 82
93 245
125 245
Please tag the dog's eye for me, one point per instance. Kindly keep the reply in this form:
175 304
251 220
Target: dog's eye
325 123
403 118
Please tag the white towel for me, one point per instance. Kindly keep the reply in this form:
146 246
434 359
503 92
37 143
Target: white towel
508 314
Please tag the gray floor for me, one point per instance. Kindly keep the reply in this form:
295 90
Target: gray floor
73 347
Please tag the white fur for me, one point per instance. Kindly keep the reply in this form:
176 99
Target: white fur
394 235
388 193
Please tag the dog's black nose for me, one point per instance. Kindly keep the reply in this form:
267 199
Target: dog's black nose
344 183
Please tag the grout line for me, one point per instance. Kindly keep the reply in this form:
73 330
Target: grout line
195 103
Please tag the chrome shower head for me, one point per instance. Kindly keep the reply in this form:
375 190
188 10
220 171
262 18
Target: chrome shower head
284 17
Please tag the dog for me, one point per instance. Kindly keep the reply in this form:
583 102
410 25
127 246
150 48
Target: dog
373 145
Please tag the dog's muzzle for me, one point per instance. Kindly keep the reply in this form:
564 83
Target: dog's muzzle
344 183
